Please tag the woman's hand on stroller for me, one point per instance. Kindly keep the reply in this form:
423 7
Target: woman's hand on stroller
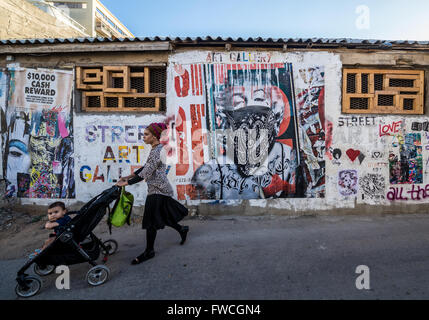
122 182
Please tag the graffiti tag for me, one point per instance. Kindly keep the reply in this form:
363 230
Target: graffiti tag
389 129
354 121
418 126
416 193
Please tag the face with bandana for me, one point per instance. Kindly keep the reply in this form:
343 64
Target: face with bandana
253 113
254 128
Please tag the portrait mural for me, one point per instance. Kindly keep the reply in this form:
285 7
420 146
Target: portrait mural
245 131
37 134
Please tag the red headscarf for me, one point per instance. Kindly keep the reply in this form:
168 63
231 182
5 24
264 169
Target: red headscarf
156 128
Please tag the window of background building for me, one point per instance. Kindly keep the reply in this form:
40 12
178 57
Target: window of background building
110 22
71 5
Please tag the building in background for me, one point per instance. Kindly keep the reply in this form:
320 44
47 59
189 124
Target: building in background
58 13
21 19
94 17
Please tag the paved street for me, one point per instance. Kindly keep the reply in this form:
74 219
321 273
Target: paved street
235 257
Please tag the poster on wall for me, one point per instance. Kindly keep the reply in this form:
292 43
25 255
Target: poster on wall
245 132
310 93
38 134
406 160
4 81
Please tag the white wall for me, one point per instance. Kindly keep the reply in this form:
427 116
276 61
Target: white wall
359 133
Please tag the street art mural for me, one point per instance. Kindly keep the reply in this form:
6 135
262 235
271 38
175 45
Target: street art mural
244 98
242 126
110 148
336 155
243 134
392 160
120 151
406 166
348 182
372 186
37 134
311 119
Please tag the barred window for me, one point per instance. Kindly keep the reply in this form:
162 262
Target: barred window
383 91
122 88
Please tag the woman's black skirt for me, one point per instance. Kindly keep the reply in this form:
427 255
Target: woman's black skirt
161 210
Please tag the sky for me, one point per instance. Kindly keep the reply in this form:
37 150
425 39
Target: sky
358 19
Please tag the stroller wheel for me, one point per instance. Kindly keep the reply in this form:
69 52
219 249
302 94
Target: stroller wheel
97 275
111 246
33 287
44 270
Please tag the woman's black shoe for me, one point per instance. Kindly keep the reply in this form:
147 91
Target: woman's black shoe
184 233
143 257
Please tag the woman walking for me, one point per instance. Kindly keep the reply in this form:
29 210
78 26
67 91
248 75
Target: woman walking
160 208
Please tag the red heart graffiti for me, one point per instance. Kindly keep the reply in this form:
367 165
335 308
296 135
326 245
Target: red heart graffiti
352 154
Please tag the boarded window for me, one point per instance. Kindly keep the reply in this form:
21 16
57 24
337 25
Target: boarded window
383 91
122 88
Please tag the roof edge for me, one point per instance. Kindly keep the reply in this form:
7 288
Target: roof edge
167 43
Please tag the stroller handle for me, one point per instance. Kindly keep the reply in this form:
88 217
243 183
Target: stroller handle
112 189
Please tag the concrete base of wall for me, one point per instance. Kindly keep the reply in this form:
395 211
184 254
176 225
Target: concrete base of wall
245 209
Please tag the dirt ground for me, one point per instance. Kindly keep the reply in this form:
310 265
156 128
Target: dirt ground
22 232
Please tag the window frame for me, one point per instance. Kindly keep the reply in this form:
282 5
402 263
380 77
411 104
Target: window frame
373 96
95 82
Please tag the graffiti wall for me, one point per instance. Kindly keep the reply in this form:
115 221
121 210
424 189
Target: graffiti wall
248 127
388 156
110 147
265 127
37 133
310 149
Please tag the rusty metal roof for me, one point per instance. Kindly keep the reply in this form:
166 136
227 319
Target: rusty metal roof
293 42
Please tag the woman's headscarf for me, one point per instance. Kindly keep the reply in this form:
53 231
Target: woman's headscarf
156 128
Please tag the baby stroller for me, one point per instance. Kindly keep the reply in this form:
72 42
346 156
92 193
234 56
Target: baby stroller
75 244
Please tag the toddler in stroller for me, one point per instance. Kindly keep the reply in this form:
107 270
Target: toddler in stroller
74 243
58 217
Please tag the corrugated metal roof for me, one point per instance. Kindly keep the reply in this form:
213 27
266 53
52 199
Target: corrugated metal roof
196 40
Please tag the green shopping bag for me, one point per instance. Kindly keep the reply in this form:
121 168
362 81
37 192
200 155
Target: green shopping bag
121 211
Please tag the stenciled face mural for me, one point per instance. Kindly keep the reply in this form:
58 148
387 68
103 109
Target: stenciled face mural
348 182
37 135
248 101
245 132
